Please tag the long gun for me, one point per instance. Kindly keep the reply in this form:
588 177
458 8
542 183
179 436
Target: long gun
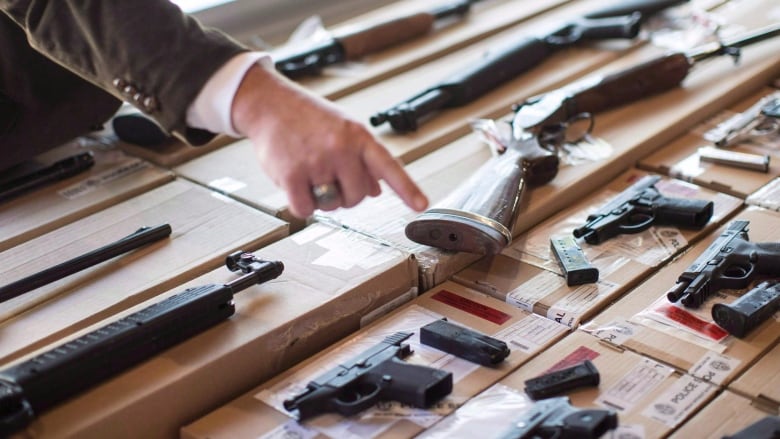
640 206
479 215
505 63
144 235
359 41
35 385
731 261
548 114
377 374
556 418
57 171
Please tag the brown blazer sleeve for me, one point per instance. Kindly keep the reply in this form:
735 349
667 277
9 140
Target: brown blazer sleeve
145 52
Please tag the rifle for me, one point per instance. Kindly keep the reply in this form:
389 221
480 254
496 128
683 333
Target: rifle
479 215
549 114
57 171
499 66
556 418
377 374
144 235
748 311
366 39
731 261
640 206
35 385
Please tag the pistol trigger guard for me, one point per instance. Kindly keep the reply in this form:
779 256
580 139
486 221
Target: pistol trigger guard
352 400
636 227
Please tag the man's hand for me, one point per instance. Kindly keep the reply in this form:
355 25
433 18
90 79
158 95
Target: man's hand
304 141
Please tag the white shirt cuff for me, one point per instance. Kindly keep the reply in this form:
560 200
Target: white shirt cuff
211 109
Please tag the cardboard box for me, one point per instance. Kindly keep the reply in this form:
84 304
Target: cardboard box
681 158
688 338
482 20
728 414
767 196
113 178
760 382
206 227
649 398
259 413
528 275
384 218
322 296
233 171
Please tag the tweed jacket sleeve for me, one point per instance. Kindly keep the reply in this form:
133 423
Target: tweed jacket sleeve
145 52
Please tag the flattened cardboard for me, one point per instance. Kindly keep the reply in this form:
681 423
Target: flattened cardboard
483 20
691 344
205 229
317 300
648 397
249 416
527 274
113 178
728 414
680 158
761 382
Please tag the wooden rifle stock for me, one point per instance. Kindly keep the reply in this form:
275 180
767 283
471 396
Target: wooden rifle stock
362 41
478 216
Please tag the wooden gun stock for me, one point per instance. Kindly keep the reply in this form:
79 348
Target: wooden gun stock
368 39
478 216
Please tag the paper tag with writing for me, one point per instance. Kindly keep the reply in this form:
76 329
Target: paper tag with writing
715 367
290 430
531 333
533 290
685 396
615 332
96 181
627 431
569 310
635 385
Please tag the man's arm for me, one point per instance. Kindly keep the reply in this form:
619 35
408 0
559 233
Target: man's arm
145 52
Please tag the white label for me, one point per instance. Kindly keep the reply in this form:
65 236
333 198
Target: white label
96 181
635 385
714 367
616 332
310 233
535 289
685 396
627 431
227 185
569 310
290 430
531 333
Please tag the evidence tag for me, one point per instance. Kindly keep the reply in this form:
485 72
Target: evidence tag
464 342
576 268
563 380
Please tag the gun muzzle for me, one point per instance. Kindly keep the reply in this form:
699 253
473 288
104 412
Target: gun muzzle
16 412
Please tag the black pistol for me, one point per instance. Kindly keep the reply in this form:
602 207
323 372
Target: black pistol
378 374
640 206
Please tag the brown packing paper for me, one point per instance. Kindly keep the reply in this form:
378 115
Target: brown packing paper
728 414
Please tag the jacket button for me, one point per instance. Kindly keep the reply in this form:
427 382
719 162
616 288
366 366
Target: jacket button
150 104
119 83
129 90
